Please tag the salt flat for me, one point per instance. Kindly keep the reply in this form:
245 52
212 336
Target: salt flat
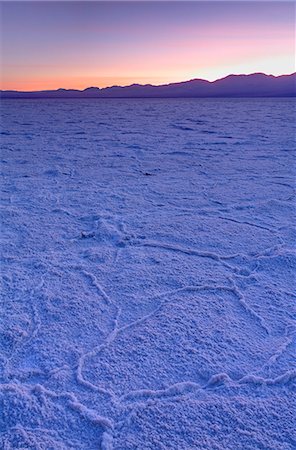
148 270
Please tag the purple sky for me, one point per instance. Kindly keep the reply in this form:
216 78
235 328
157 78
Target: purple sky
47 45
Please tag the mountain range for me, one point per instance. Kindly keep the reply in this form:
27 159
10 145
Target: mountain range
253 85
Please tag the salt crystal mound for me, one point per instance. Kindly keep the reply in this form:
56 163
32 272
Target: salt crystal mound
148 274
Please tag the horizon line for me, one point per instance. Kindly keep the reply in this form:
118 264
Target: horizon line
152 85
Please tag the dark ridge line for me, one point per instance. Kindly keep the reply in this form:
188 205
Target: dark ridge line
256 85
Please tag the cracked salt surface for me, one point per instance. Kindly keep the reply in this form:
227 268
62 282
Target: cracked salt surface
148 270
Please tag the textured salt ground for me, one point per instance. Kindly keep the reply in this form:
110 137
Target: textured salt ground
148 270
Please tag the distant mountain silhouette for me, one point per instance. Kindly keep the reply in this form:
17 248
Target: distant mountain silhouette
254 85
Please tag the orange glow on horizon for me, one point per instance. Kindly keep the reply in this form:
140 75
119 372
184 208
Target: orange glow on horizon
283 65
64 83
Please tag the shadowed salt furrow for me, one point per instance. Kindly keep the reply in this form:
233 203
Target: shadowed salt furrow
148 275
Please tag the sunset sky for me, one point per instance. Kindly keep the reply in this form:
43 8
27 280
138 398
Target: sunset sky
49 45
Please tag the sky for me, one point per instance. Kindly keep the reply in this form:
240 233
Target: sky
77 44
